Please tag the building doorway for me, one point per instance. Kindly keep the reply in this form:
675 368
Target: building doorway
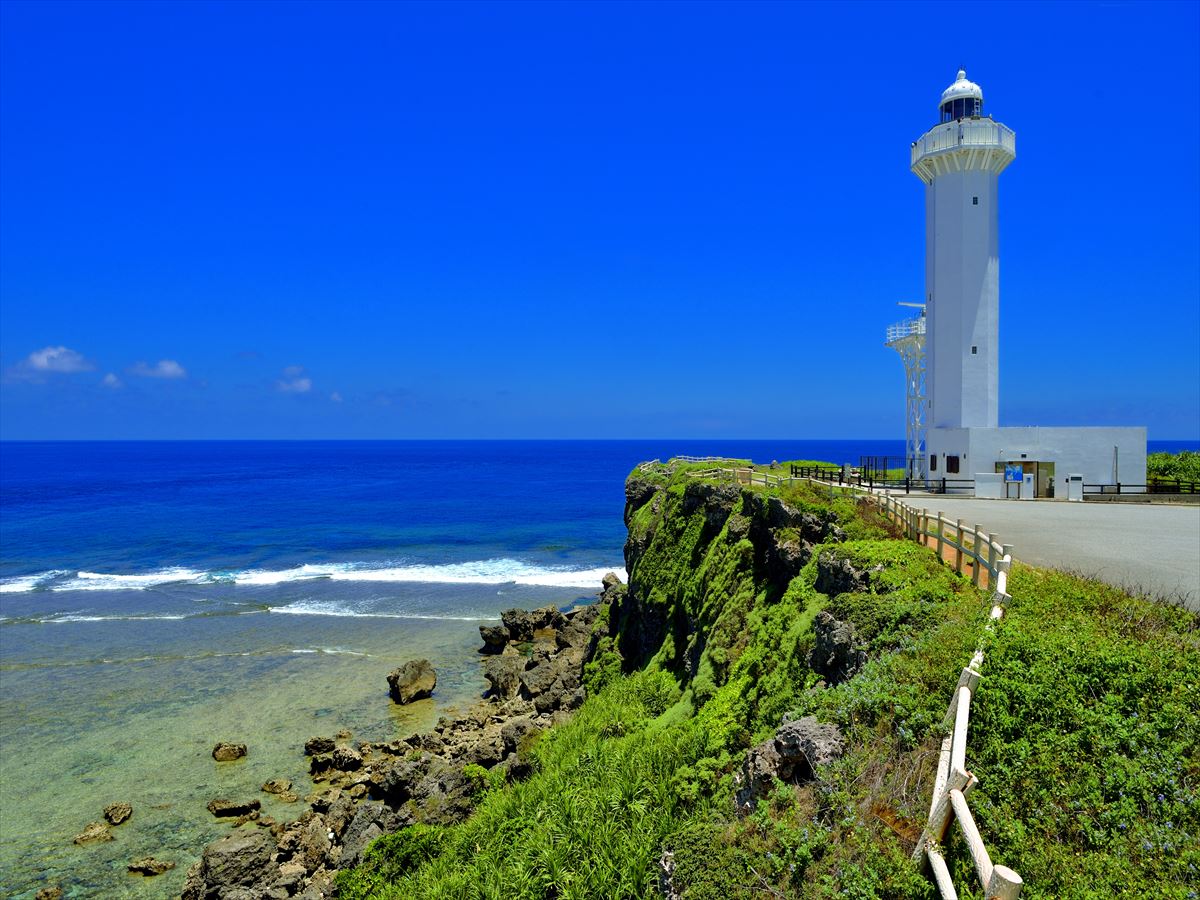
1042 472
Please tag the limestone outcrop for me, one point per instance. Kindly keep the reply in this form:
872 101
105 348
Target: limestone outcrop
415 680
794 754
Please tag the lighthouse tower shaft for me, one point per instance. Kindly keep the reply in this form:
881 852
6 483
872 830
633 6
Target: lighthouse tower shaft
960 161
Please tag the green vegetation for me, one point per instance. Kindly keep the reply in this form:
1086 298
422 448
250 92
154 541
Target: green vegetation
1085 733
1184 466
1087 741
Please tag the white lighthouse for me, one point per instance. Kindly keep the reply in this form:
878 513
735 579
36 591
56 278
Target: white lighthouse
960 160
952 352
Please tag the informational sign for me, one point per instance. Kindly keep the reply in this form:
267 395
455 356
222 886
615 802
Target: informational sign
1014 472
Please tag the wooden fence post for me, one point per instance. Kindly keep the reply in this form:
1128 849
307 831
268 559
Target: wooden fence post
977 555
1005 884
958 534
941 538
935 830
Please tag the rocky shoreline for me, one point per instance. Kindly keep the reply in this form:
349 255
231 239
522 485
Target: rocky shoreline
533 662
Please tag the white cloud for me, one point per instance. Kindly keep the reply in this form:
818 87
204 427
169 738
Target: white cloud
164 368
112 381
294 381
57 359
335 397
294 385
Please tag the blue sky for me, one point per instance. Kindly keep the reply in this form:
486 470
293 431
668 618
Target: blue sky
574 220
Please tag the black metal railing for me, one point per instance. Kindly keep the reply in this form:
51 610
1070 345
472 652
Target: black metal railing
868 479
1155 486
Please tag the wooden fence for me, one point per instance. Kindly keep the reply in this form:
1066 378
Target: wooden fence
743 475
963 546
647 466
991 560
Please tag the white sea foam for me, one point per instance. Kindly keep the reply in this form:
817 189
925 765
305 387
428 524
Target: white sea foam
25 583
486 571
71 617
332 608
331 651
305 572
492 571
102 581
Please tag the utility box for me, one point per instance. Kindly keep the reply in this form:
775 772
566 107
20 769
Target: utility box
1028 487
1075 487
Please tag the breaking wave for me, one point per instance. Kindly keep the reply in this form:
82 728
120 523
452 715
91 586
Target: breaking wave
487 571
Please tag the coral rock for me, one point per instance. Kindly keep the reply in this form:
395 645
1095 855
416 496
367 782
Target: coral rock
224 751
116 813
414 680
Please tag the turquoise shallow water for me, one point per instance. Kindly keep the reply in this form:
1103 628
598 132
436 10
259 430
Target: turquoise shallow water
140 727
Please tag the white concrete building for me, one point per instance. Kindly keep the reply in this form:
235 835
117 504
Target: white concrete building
960 160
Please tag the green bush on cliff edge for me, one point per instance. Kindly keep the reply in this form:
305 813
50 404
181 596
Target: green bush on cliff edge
1085 733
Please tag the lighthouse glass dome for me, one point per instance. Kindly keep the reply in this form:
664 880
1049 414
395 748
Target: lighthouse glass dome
962 99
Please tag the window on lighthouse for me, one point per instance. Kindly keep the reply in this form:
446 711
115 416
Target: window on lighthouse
960 108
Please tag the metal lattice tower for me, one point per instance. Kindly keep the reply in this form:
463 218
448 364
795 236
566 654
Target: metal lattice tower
908 339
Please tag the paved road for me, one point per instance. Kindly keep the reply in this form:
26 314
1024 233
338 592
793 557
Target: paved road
1146 548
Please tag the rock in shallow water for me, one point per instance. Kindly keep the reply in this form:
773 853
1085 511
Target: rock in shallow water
224 751
414 680
224 808
494 638
94 833
277 786
116 813
149 866
316 745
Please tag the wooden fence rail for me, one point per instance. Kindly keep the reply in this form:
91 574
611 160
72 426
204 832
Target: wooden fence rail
960 545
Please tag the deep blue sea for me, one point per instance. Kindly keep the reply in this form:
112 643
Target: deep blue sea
158 597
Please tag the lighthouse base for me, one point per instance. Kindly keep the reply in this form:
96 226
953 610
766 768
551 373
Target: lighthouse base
1035 458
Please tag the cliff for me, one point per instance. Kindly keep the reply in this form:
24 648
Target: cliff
706 677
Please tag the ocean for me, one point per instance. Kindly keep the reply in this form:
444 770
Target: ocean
156 597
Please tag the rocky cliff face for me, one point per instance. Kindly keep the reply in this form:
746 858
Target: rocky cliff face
699 556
